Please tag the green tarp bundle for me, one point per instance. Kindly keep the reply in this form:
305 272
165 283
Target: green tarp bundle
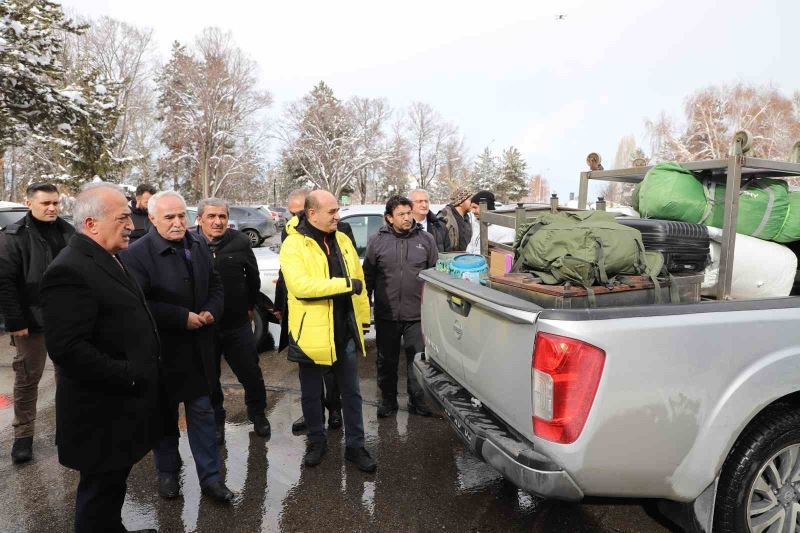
767 210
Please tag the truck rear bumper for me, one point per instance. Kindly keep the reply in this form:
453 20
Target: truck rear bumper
489 439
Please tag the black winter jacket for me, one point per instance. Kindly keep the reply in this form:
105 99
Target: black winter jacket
174 287
104 344
141 222
391 270
439 232
236 264
24 257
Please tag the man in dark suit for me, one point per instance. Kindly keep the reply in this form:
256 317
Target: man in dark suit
104 344
185 295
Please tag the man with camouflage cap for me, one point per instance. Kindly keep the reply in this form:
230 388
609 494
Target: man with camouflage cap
454 217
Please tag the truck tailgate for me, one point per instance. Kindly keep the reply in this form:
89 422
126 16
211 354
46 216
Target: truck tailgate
483 339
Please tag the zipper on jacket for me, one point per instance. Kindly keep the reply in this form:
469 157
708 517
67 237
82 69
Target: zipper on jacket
300 331
403 256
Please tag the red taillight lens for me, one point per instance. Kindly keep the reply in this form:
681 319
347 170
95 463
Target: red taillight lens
565 375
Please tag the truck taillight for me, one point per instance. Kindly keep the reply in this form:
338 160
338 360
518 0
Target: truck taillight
565 374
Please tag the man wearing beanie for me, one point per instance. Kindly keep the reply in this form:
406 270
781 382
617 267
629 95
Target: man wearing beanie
454 217
496 233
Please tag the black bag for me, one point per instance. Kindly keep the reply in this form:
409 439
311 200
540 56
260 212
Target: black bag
685 246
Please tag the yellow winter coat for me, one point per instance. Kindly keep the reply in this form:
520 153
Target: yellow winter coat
310 288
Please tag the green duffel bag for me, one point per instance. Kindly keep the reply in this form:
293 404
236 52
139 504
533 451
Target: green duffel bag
671 192
763 208
583 247
790 230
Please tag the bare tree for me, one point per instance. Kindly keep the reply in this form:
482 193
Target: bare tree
323 137
210 105
370 116
395 177
714 114
428 134
614 191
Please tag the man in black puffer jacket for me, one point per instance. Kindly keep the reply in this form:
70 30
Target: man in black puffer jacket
395 257
237 267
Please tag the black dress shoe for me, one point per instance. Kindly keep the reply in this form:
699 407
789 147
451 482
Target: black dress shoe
299 425
362 459
418 407
219 434
335 419
22 450
314 453
218 492
387 408
261 426
168 486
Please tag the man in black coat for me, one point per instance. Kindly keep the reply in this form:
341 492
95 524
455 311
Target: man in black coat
185 295
104 344
421 211
27 247
141 222
236 264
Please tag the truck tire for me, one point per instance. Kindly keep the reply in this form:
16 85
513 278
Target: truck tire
759 487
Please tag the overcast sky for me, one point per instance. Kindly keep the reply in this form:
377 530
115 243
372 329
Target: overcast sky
506 73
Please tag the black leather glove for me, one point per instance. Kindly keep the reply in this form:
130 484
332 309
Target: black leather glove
358 286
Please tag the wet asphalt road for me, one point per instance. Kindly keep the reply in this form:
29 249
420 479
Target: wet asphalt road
426 480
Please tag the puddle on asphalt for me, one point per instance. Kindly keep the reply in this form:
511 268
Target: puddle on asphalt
421 466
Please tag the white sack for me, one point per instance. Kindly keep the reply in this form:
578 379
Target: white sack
761 269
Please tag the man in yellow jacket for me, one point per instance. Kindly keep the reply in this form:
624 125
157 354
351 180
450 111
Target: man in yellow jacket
328 315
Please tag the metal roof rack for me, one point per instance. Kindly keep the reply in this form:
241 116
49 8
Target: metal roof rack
732 171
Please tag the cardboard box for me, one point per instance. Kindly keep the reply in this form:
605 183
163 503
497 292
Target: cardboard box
500 262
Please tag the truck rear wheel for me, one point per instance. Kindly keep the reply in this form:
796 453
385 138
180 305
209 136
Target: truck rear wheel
759 487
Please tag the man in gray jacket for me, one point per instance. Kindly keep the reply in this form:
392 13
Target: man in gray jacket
395 256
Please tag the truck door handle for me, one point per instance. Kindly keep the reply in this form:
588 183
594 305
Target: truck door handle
459 306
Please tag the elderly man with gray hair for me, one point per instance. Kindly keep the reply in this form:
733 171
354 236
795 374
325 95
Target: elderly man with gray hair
176 272
103 342
237 267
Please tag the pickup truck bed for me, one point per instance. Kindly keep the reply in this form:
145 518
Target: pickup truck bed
679 385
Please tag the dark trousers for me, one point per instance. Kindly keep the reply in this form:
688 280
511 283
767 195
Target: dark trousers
331 397
202 441
346 371
98 503
239 348
390 336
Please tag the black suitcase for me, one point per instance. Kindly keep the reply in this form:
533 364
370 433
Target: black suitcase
685 246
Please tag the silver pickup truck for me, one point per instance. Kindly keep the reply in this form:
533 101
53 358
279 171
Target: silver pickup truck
697 404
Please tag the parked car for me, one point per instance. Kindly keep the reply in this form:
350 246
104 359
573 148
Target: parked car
11 213
279 214
254 222
366 220
265 326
